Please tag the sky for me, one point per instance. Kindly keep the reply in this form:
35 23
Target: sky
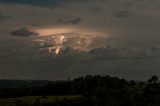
58 39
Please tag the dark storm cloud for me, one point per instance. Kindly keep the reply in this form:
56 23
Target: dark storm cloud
32 2
23 32
3 17
123 13
74 21
133 25
116 61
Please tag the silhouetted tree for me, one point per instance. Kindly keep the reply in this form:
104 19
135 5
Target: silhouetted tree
153 79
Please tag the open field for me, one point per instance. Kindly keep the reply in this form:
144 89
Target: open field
34 99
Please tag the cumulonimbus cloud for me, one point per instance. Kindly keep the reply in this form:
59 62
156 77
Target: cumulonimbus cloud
130 24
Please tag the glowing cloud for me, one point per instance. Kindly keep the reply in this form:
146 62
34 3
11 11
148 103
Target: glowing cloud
58 43
62 37
51 31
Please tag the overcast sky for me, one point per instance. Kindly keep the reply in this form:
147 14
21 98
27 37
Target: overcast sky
123 27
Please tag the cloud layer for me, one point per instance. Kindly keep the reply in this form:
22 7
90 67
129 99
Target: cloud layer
131 27
134 23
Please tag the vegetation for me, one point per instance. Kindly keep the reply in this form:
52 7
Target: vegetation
86 91
31 100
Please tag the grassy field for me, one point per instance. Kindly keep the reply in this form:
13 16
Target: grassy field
34 99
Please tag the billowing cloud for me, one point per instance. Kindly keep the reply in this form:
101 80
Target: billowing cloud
82 28
132 23
117 61
76 20
23 32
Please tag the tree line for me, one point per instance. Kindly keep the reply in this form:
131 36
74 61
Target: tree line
95 90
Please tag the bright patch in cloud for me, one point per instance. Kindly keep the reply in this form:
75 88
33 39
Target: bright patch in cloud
51 31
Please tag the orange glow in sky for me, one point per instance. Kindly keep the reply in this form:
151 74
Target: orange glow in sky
59 36
50 31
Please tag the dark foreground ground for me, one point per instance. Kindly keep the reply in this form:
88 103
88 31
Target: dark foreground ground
83 91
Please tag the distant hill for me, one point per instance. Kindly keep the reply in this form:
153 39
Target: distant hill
22 83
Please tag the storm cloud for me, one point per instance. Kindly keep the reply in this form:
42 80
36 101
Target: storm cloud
99 35
132 22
